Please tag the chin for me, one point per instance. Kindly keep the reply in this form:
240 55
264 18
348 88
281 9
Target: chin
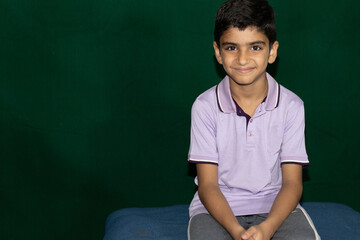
242 83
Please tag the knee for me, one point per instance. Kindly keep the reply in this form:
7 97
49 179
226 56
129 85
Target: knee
205 227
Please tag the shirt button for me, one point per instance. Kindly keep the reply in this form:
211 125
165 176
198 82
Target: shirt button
250 134
251 120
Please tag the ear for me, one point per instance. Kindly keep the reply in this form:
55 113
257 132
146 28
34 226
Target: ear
273 52
217 52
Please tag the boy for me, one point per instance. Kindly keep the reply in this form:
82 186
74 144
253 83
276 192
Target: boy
247 138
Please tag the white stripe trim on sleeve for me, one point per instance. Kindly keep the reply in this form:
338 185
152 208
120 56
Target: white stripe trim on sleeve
202 160
295 161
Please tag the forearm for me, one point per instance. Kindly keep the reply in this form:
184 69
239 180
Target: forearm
217 205
285 202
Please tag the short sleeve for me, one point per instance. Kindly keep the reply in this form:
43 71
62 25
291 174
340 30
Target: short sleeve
203 148
293 147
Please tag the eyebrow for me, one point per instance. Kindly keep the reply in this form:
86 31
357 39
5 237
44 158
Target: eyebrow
257 42
251 43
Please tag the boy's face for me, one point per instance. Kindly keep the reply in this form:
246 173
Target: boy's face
245 54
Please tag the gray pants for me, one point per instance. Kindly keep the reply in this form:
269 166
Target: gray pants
298 226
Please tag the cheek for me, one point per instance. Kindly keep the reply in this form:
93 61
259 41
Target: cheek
226 63
263 60
228 60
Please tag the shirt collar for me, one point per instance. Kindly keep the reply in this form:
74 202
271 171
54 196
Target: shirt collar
227 105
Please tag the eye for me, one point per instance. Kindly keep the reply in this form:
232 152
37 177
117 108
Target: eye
231 48
256 48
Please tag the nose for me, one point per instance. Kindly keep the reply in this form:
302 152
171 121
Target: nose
242 58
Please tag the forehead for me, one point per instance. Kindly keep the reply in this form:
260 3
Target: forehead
246 36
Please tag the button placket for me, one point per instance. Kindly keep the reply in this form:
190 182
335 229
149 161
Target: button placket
250 134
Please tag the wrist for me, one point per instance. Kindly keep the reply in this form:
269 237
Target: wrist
268 228
237 231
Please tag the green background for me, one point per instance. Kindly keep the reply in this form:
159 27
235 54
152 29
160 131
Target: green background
95 99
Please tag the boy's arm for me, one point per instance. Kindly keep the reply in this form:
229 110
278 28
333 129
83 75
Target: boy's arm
285 202
214 201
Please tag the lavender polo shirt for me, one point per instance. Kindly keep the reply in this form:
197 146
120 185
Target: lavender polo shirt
248 154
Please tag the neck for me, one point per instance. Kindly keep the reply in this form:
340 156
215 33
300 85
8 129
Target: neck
249 93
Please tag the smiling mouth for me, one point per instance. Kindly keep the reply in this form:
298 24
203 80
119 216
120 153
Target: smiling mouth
244 70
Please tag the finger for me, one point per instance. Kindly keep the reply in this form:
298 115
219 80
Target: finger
249 233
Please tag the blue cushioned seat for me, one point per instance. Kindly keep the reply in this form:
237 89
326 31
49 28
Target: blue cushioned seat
333 221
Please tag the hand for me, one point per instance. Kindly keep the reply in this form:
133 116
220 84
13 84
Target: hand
238 232
259 232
